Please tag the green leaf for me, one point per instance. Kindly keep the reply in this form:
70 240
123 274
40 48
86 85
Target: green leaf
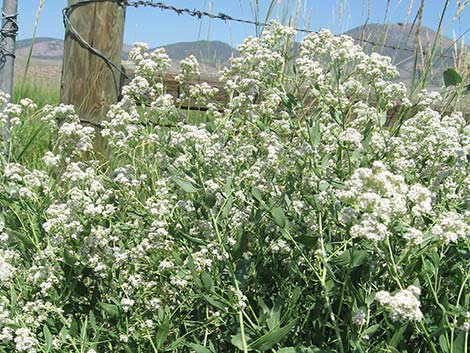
451 77
325 161
93 321
273 337
237 341
242 272
24 239
162 333
241 245
274 319
63 334
13 300
443 344
396 338
228 206
256 194
111 309
307 240
185 185
382 118
279 216
371 330
207 281
215 302
210 200
336 116
459 343
47 338
198 348
314 132
351 257
73 328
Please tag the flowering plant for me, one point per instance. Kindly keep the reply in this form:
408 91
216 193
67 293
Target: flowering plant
298 217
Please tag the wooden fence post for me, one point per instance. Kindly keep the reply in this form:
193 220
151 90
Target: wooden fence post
89 82
7 45
8 31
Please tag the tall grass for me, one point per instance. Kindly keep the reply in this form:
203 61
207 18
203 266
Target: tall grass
38 91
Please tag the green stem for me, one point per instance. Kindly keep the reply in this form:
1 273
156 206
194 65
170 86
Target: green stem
235 282
323 283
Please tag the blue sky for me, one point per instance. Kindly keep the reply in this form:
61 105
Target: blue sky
158 27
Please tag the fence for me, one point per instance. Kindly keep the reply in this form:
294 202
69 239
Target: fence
92 74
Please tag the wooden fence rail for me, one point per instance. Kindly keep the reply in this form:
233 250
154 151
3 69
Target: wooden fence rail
91 78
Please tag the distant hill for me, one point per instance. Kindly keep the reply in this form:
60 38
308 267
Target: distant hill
403 38
213 53
399 39
47 55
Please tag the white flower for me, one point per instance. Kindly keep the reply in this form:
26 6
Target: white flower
51 160
7 270
6 334
351 138
413 235
422 199
127 303
359 317
25 341
166 264
450 227
369 228
402 306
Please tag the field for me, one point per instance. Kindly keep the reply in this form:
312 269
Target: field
323 208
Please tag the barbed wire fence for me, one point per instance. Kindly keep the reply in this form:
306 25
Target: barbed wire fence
222 16
225 17
79 23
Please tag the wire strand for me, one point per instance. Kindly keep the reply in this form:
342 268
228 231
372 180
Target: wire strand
222 16
66 12
8 29
200 14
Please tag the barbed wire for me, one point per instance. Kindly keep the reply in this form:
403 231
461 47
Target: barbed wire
222 16
200 14
70 27
9 28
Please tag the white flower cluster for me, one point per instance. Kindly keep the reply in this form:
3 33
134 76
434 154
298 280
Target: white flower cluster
189 70
23 183
25 341
360 317
323 54
149 65
403 305
381 197
429 142
451 227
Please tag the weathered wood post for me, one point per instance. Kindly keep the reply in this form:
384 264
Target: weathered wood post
8 33
93 35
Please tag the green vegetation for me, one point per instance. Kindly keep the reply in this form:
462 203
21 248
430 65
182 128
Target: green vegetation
321 209
296 217
40 92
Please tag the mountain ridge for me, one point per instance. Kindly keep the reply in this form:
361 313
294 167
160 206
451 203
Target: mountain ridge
395 40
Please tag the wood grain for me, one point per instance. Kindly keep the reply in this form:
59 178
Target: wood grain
173 88
88 82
